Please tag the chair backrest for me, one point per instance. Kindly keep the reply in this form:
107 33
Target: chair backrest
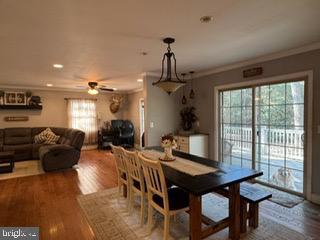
155 179
118 153
127 128
134 167
116 124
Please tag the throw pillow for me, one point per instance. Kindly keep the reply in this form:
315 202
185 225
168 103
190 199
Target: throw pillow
46 137
41 137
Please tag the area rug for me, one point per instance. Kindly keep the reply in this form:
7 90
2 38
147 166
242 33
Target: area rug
282 198
110 220
23 169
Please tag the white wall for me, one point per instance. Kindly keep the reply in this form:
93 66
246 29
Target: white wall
131 111
161 109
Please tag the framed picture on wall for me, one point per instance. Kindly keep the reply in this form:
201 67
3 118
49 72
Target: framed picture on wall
15 98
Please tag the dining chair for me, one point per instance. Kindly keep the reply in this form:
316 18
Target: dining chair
167 201
122 170
136 182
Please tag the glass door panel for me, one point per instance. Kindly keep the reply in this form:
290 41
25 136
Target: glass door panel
236 127
279 134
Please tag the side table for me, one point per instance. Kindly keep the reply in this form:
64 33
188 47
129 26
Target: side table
6 159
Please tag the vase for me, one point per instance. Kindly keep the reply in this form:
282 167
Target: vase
168 153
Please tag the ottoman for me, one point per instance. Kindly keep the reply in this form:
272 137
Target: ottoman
6 161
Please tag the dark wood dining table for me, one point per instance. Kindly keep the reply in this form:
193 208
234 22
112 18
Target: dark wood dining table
197 186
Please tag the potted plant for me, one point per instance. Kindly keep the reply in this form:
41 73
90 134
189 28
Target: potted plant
188 118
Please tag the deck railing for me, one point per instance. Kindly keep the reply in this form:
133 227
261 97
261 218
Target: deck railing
281 142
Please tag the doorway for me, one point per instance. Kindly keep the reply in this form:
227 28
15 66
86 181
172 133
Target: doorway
142 128
263 127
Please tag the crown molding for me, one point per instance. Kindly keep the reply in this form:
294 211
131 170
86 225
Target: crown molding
135 91
23 87
198 74
265 58
53 89
152 74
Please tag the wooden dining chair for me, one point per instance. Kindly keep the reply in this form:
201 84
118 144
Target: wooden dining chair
122 170
136 182
167 201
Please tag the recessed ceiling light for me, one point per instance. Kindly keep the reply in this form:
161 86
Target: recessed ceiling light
140 80
56 65
115 89
49 84
206 19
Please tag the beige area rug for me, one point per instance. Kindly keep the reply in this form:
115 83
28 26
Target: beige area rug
23 169
110 220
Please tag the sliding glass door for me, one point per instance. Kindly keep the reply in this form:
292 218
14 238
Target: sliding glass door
262 127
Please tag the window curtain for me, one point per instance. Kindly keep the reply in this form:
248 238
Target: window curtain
82 114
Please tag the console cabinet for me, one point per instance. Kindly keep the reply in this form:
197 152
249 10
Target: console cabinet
195 144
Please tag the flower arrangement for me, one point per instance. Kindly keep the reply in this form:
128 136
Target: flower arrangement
168 142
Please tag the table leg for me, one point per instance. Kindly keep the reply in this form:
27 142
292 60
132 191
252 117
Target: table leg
195 217
234 211
12 165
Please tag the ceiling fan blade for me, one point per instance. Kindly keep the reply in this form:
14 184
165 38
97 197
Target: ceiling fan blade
82 87
103 79
106 89
80 78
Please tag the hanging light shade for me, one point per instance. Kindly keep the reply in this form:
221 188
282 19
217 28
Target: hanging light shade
192 94
171 82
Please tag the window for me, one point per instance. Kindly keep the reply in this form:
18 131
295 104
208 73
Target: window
82 115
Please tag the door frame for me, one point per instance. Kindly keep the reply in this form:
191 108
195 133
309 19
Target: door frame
308 76
142 125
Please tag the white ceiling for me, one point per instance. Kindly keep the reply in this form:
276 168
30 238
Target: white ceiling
103 39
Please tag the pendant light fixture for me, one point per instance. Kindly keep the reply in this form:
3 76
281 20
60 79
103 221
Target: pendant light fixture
192 94
171 82
184 99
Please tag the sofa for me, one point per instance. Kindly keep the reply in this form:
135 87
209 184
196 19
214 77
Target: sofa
62 155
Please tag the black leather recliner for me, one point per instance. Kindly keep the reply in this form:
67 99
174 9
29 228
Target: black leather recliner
123 133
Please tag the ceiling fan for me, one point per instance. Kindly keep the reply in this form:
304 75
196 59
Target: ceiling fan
94 88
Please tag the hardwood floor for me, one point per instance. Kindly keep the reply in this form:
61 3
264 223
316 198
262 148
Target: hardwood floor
49 201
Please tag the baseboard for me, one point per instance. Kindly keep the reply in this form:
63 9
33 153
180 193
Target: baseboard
137 146
89 147
315 198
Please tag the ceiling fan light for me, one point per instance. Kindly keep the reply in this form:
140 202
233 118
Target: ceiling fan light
93 91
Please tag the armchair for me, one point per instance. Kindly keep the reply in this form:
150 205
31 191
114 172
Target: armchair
123 133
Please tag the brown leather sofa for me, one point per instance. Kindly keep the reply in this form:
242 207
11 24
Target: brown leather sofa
64 154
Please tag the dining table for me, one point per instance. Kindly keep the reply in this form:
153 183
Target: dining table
223 176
